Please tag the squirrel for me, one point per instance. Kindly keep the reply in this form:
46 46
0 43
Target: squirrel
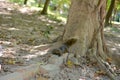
64 48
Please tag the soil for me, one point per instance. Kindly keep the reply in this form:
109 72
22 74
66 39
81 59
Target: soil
24 33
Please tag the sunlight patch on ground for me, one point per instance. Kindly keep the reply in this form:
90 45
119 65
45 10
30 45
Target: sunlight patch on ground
47 24
5 42
13 29
113 49
44 19
107 29
35 9
29 10
41 17
110 42
118 35
112 31
119 45
30 56
24 10
40 46
50 21
9 52
116 44
42 52
63 19
2 0
39 53
115 22
81 79
5 13
113 44
1 51
58 16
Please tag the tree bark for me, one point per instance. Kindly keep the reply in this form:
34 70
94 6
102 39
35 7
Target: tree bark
85 25
83 21
44 11
83 35
109 13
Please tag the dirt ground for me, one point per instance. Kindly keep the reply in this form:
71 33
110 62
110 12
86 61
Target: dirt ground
23 32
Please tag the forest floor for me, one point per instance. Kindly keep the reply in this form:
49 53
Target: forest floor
24 33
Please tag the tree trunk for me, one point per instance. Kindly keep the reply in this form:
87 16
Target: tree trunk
83 21
85 25
44 11
25 2
109 13
39 3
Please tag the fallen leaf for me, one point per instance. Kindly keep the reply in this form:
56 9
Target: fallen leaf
109 60
69 64
100 72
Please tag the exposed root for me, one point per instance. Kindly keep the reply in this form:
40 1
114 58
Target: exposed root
104 65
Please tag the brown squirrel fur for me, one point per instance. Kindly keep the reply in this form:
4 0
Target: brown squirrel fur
64 48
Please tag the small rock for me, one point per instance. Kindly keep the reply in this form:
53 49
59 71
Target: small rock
51 69
56 60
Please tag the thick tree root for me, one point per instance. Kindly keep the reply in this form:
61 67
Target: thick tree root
104 65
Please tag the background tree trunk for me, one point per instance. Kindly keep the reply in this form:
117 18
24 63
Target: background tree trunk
109 13
44 11
39 3
25 2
